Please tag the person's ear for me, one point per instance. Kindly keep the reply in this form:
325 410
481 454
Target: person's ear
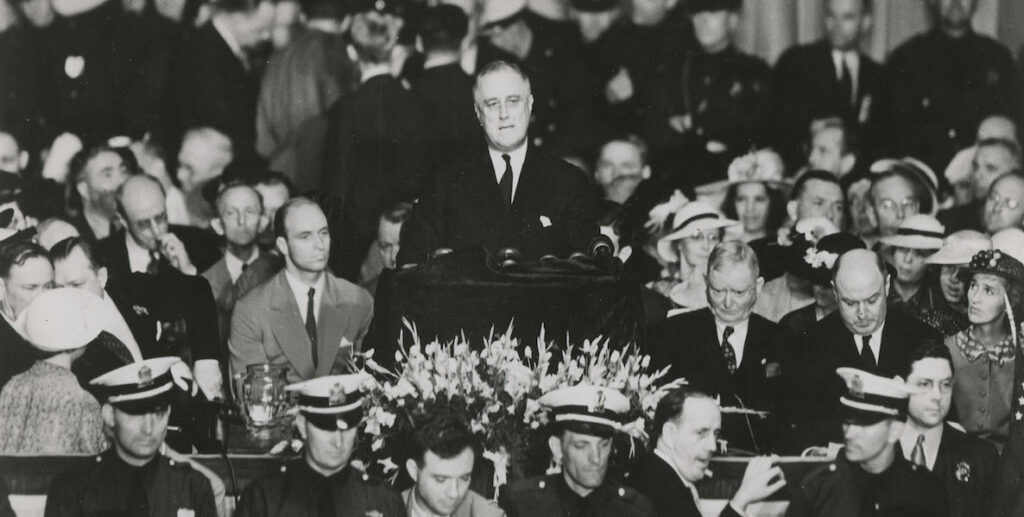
895 431
555 445
412 469
872 216
264 222
107 413
352 55
846 163
282 246
645 173
218 226
23 160
529 104
102 276
791 210
82 189
758 285
300 423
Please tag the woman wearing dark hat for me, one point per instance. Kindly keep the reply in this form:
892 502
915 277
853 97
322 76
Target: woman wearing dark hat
816 267
983 355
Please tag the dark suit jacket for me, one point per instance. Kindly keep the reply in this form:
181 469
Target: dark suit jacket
446 93
804 87
657 480
689 344
226 293
970 492
16 354
376 154
202 247
211 87
814 389
553 212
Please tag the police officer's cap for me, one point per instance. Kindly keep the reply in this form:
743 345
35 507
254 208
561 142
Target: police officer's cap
396 7
699 6
334 402
593 410
144 386
869 398
499 14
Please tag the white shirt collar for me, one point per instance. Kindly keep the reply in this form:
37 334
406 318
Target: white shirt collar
234 264
875 342
517 157
932 439
300 290
229 38
738 338
438 61
138 257
375 72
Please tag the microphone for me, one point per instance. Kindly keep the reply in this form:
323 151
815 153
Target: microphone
601 247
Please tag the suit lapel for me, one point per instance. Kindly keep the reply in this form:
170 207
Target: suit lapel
486 194
288 328
331 325
944 457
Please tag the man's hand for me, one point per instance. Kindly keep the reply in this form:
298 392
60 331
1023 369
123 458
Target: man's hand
172 248
761 480
207 375
619 88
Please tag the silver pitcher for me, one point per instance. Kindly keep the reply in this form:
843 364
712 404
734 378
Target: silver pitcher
260 396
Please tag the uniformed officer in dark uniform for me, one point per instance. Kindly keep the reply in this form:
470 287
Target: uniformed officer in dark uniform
943 83
550 54
322 483
133 478
585 420
710 107
870 475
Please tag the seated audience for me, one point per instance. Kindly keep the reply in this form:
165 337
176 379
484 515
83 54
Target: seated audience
914 288
816 194
984 353
584 423
204 154
323 482
686 426
275 188
316 321
621 168
816 266
133 475
383 252
958 172
44 410
94 177
441 467
993 158
755 196
726 351
928 441
957 251
895 194
833 148
1004 205
858 204
25 272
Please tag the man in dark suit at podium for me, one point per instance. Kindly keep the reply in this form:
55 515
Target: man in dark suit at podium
726 350
507 195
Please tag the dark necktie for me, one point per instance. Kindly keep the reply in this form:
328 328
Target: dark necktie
727 351
917 456
154 263
311 323
846 82
867 357
506 181
245 265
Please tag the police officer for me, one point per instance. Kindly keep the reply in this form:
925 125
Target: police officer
711 106
133 478
944 82
586 419
870 475
323 482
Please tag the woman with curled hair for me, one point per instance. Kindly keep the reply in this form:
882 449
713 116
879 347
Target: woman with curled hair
756 196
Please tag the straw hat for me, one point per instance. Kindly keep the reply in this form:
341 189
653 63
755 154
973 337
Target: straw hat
63 319
692 219
960 247
919 231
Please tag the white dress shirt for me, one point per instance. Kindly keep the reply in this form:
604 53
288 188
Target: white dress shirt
300 290
234 264
852 60
932 438
738 338
875 342
517 157
138 257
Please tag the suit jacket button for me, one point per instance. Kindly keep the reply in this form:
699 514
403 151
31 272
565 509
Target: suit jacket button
542 484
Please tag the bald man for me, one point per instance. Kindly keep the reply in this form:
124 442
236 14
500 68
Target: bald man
861 334
149 244
204 154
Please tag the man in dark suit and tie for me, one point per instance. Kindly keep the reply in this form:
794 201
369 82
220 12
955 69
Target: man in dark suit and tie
510 194
686 422
726 350
862 334
827 78
303 317
150 244
966 464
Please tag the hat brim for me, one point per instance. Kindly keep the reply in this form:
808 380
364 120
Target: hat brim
947 257
587 428
855 416
666 246
146 405
335 421
967 272
916 242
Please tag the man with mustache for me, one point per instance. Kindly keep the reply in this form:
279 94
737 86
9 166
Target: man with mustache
315 321
95 175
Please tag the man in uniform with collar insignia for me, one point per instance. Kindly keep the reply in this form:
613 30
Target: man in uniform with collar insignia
133 478
323 482
870 476
585 420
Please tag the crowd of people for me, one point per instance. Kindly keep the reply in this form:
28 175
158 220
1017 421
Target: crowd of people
830 249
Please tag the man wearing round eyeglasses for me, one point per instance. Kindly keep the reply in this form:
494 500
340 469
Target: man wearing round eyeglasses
965 463
726 350
1004 206
894 196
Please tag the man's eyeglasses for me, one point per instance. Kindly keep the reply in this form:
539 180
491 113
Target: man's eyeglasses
907 205
999 202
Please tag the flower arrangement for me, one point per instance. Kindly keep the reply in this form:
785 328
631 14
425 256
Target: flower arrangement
495 390
820 258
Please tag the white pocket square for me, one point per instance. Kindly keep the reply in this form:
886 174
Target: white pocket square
544 221
345 342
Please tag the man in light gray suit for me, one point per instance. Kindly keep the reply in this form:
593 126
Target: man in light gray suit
304 316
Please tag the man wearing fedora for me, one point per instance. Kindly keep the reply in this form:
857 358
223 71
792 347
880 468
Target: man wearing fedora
323 482
727 351
584 422
870 475
134 477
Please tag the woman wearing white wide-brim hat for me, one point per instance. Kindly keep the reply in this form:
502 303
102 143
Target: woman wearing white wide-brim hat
44 410
695 230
